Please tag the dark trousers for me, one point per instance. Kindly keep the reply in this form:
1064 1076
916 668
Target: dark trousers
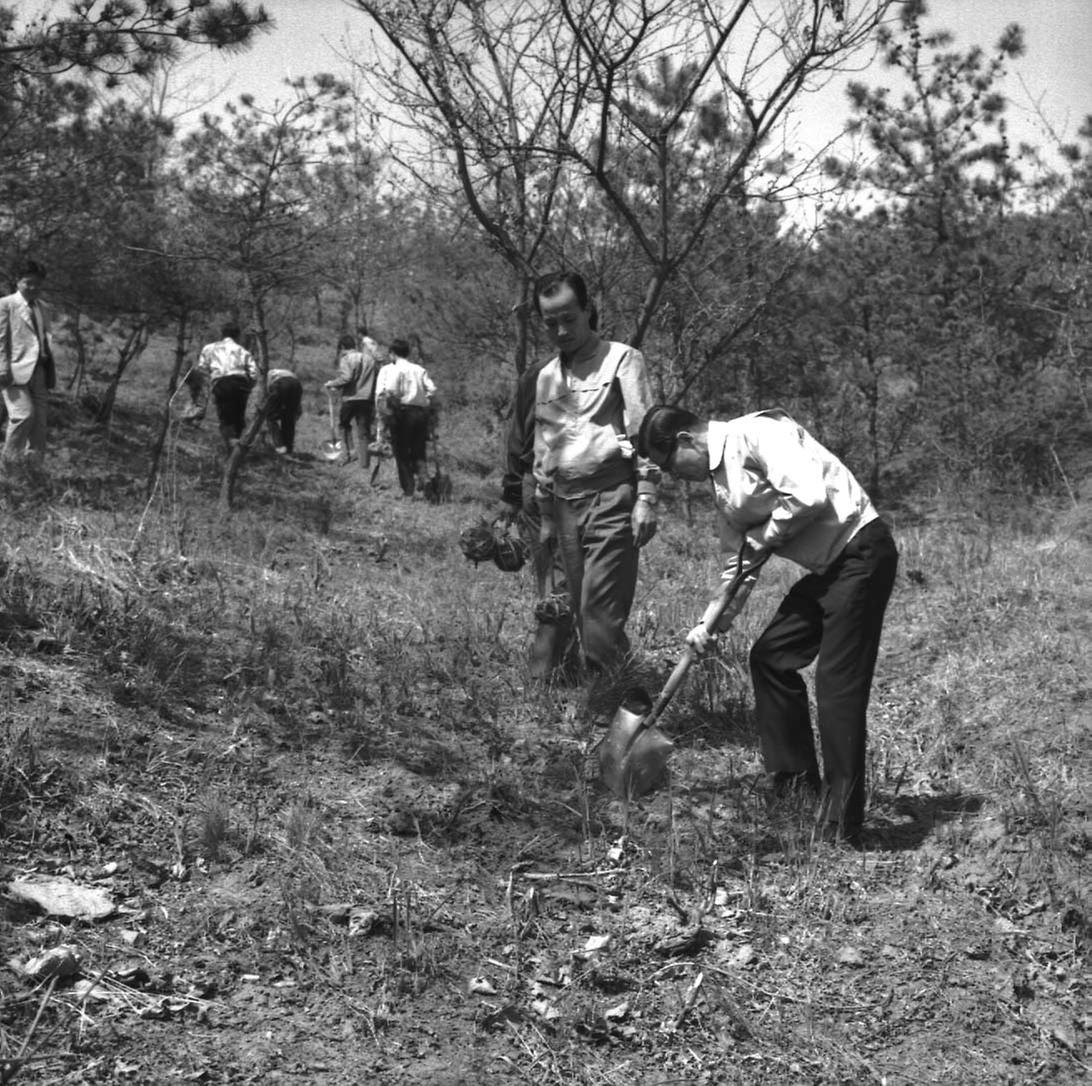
231 394
553 632
836 616
409 443
595 544
283 408
356 418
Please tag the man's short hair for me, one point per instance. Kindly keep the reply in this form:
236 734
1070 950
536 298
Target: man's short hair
346 343
400 347
546 286
660 429
230 331
27 268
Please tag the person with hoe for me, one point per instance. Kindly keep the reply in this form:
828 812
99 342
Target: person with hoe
230 370
778 490
596 494
407 401
27 372
355 380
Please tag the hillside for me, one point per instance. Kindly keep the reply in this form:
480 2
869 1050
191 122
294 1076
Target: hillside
343 838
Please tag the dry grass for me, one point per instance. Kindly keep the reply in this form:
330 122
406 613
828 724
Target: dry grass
306 740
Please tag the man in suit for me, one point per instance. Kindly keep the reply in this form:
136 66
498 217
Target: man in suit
26 364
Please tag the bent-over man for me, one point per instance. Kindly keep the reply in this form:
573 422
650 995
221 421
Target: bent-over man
284 406
778 490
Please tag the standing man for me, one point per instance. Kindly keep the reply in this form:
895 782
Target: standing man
231 371
597 496
27 372
355 381
284 405
407 401
778 490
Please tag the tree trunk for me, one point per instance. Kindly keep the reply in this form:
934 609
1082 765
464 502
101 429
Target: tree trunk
132 348
172 387
523 325
75 382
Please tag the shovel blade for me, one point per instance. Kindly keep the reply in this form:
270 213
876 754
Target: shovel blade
633 766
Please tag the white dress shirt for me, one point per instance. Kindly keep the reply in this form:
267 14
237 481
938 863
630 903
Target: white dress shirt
777 489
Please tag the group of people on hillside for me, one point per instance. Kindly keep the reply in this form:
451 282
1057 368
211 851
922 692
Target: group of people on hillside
389 407
586 453
389 404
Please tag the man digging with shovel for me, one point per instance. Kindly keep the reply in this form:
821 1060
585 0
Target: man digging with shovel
777 490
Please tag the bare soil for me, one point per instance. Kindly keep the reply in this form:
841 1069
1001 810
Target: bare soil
348 841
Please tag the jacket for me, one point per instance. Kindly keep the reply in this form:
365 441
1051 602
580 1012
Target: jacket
586 419
226 358
356 371
20 347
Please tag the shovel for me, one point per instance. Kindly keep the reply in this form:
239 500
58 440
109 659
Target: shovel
633 755
332 449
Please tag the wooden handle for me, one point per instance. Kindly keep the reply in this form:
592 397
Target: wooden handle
689 656
330 404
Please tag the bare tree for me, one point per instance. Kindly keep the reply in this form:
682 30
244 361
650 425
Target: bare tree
657 112
254 177
255 181
494 91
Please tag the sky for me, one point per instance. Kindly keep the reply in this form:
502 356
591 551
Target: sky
1049 88
1055 75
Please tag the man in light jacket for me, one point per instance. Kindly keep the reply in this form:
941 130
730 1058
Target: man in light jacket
596 493
26 364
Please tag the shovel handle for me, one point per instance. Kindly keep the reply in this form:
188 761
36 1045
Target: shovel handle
689 656
330 405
